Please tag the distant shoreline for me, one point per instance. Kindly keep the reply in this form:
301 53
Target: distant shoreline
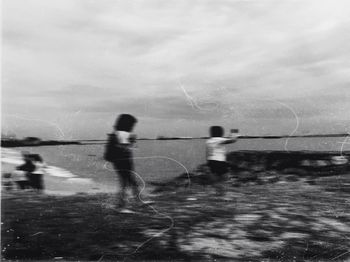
24 143
21 143
240 137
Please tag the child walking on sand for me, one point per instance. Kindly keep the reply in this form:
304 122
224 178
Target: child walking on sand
121 158
216 154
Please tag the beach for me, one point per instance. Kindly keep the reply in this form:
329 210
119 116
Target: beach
57 180
279 211
289 221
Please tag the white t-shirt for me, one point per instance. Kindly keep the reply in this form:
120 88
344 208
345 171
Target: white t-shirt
123 137
216 150
40 168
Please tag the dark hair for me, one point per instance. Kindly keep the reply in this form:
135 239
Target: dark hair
37 158
216 131
125 122
25 153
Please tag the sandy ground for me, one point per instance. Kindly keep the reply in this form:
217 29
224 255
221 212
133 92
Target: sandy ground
278 220
57 181
282 221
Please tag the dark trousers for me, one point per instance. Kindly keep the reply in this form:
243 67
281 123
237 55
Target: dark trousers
36 181
23 184
124 169
218 169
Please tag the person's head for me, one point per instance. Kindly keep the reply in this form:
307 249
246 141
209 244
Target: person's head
25 154
37 158
125 122
216 131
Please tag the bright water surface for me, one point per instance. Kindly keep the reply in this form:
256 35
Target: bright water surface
160 160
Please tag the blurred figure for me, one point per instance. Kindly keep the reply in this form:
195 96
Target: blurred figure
7 181
36 177
121 156
28 167
21 175
21 179
30 174
216 154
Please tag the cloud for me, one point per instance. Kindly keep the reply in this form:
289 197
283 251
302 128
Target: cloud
153 57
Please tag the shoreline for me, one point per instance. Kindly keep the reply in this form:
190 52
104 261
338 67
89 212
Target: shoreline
23 143
57 181
249 164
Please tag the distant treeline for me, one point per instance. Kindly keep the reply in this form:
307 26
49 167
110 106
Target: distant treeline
34 141
255 137
296 136
240 137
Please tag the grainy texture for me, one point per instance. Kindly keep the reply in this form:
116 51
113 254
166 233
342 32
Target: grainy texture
282 221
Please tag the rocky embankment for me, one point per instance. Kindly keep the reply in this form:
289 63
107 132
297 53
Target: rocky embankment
265 167
274 207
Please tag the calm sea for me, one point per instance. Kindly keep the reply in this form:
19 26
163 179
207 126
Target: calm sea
160 160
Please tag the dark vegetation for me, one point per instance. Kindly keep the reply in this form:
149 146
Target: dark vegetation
34 141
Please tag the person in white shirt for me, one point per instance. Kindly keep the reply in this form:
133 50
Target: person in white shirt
216 152
123 159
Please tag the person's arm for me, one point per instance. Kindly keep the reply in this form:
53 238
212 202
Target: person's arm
124 146
28 166
44 168
229 141
133 138
233 139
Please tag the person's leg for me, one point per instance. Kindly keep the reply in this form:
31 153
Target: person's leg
220 169
34 181
214 176
28 182
123 176
131 178
122 182
213 171
40 183
31 181
134 185
20 184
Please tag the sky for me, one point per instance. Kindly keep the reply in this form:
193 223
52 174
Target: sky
266 67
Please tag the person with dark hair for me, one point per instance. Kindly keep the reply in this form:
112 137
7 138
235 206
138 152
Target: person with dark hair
216 153
122 140
125 122
21 175
28 167
216 131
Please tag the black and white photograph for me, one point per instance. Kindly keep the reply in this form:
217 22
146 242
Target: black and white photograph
175 130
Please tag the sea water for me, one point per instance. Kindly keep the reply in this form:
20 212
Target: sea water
162 160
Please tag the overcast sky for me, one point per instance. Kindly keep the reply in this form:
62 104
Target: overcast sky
69 67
